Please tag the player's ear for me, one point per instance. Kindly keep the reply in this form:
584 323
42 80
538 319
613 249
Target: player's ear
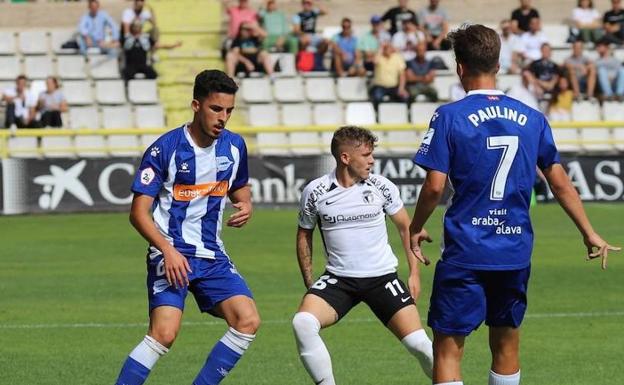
345 157
460 70
195 104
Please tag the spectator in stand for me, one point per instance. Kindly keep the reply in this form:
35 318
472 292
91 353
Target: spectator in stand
435 22
532 41
137 48
344 49
246 54
613 23
51 104
304 24
582 72
397 15
610 73
20 105
276 25
544 74
521 17
524 91
237 14
586 22
389 76
144 14
406 40
312 60
560 106
98 30
368 44
510 61
420 74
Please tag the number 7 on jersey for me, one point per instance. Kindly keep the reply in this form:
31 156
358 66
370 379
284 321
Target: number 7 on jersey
509 145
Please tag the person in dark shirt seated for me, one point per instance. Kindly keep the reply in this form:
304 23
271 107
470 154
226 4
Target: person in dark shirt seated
396 16
521 17
544 74
613 23
246 54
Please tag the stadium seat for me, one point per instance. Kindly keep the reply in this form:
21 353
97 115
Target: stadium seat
84 117
57 147
256 90
149 116
614 111
90 146
124 145
9 67
23 147
262 115
142 91
286 63
327 114
77 92
110 92
288 90
619 54
569 135
103 67
58 37
586 111
506 81
360 113
448 57
7 43
300 115
71 67
560 55
117 117
33 42
392 113
556 34
352 89
421 113
395 141
443 84
320 90
38 67
146 140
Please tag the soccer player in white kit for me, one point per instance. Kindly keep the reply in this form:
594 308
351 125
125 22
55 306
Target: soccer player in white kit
350 206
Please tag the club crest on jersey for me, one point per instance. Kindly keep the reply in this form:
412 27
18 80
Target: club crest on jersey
184 167
223 163
154 151
368 197
147 176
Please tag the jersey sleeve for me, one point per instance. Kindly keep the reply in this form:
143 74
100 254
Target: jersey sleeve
242 173
435 149
152 172
308 211
547 152
393 202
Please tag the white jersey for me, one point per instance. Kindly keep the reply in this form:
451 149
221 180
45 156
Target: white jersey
352 222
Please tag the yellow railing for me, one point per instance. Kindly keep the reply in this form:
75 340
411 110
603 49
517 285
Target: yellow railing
6 151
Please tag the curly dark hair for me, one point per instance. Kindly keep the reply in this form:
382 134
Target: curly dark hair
352 135
209 81
477 47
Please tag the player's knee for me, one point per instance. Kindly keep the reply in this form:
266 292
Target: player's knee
164 335
248 324
305 323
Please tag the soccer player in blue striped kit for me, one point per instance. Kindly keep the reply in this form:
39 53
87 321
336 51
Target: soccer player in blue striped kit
180 190
488 146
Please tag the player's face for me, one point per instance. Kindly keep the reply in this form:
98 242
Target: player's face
360 161
213 112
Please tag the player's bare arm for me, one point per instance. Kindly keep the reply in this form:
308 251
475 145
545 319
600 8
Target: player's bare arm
176 266
304 255
429 197
568 198
402 222
241 200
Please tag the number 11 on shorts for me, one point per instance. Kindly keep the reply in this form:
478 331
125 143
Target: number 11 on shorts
394 284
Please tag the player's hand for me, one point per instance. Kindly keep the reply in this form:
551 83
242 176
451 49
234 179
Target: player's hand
241 217
415 240
413 282
176 268
597 247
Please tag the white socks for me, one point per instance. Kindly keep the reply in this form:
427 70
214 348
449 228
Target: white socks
500 379
420 346
148 352
312 350
237 341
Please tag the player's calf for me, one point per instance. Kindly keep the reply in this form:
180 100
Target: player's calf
312 351
420 346
140 362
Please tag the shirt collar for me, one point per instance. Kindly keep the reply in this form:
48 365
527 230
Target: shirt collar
485 92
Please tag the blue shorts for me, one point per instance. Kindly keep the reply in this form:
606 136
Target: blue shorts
212 281
463 298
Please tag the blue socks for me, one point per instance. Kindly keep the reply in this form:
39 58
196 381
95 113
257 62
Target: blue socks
140 362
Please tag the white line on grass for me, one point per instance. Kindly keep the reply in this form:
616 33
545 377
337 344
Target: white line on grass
272 322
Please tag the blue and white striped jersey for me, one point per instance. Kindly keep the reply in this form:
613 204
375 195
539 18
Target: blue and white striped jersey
190 184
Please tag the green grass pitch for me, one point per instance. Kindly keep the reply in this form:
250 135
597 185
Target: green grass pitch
73 305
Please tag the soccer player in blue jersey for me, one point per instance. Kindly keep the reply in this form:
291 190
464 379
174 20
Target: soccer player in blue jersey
180 192
488 146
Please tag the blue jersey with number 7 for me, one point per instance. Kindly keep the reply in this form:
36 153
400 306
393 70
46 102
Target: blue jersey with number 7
489 146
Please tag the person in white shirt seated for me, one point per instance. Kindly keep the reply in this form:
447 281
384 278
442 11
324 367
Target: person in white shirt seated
20 105
586 22
532 41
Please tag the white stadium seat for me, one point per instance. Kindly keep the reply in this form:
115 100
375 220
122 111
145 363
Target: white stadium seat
7 43
300 115
103 67
38 67
397 141
585 111
256 90
149 116
142 91
392 113
123 145
421 113
117 117
90 146
556 34
58 37
288 90
614 111
78 92
286 63
146 140
71 67
562 135
110 92
506 81
352 89
9 67
23 147
443 85
360 113
84 117
320 90
262 115
57 146
33 42
327 114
